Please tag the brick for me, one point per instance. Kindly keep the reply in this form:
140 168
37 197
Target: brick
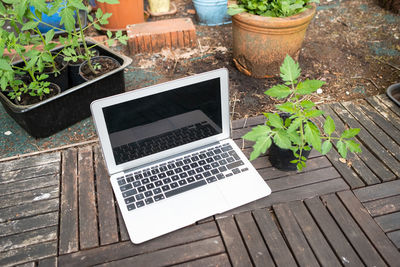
155 35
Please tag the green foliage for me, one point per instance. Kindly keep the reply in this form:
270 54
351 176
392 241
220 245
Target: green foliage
297 132
270 8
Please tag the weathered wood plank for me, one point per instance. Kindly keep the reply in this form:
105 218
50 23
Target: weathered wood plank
386 248
29 173
221 260
378 191
258 250
69 203
384 111
353 232
28 264
88 230
374 130
273 238
395 237
105 202
248 122
381 121
29 162
295 237
28 254
320 247
302 179
389 222
49 262
126 249
174 255
332 233
369 141
29 196
298 193
383 206
28 209
27 185
122 227
21 240
388 102
233 242
28 224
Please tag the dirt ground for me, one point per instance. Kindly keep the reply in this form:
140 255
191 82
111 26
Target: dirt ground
353 45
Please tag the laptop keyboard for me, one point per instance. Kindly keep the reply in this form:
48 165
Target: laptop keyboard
168 179
163 142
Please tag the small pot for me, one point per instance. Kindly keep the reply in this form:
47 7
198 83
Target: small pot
61 78
212 12
33 99
73 71
85 73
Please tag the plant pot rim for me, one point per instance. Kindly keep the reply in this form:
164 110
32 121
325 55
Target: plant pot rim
296 20
390 92
93 58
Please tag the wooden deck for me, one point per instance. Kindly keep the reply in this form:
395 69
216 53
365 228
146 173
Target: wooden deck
58 208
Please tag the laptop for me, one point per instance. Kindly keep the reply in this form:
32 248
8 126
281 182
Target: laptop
169 154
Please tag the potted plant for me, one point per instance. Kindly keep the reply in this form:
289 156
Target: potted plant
72 105
292 133
264 32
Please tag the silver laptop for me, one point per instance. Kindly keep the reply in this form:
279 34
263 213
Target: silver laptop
168 150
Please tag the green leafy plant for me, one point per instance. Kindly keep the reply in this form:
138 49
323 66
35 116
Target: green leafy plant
270 8
297 132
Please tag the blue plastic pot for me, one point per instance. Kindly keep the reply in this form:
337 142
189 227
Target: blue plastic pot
53 20
212 12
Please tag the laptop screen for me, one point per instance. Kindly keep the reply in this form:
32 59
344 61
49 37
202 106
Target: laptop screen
151 124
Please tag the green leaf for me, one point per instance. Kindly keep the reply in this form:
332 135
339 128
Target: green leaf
67 18
260 147
350 133
30 25
5 65
326 147
235 9
313 113
279 91
39 5
257 132
342 149
307 104
286 107
308 86
282 140
109 34
274 120
329 125
353 146
109 1
49 36
312 135
290 70
295 125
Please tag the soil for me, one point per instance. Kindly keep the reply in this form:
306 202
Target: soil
27 99
352 45
107 64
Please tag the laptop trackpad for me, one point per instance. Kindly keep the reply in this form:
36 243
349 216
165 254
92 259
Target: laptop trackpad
174 213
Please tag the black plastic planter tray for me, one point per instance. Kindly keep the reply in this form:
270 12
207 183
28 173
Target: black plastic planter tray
394 93
54 114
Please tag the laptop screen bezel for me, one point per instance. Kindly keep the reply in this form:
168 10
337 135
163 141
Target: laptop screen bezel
100 123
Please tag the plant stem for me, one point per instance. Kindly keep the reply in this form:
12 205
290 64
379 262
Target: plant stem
87 52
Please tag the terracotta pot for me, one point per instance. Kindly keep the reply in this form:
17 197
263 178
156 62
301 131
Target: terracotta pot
125 13
260 44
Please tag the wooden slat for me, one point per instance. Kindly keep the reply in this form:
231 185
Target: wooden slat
122 227
258 250
29 173
320 247
381 121
273 238
371 230
378 191
174 255
332 233
28 224
28 162
69 203
388 102
21 240
395 238
49 262
384 111
30 196
105 202
233 242
389 222
248 122
353 232
28 209
383 206
28 254
27 185
369 141
28 264
294 236
126 249
88 230
221 260
374 130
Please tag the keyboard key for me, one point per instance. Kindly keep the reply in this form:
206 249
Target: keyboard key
186 161
165 187
244 169
170 172
214 171
175 178
214 164
130 200
179 163
148 193
183 175
191 172
150 186
159 197
153 178
145 181
174 185
217 151
217 157
225 155
194 165
139 196
139 204
131 206
202 156
157 191
155 171
171 166
226 147
137 183
202 162
125 187
210 154
211 179
130 179
149 200
141 189
230 160
121 182
186 167
199 169
222 162
222 168
158 183
236 171
235 164
185 188
209 160
220 176
190 179
229 174
195 158
129 193
207 167
163 168
198 176
178 170
138 176
146 174
162 175
182 182
207 174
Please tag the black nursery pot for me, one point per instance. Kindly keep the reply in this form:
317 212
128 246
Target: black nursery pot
73 71
61 111
61 77
281 158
